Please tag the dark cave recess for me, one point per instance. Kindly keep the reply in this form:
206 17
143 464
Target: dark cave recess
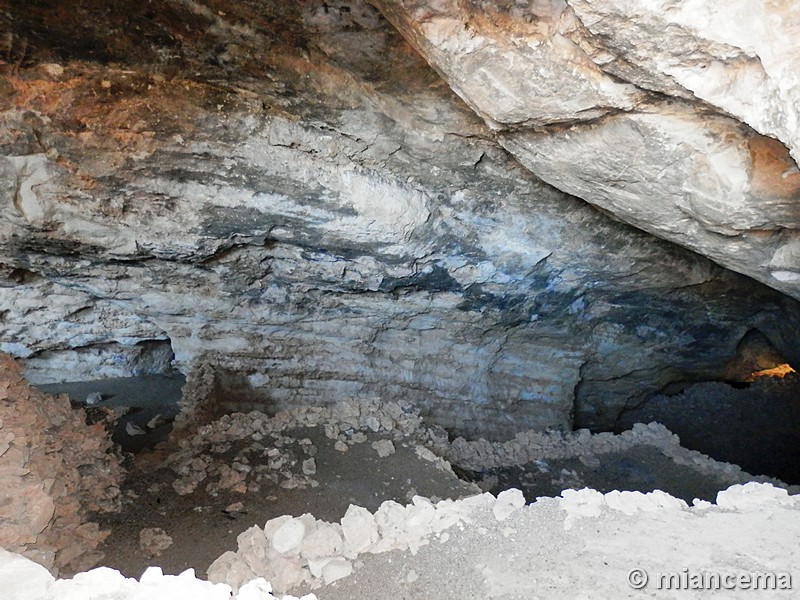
755 425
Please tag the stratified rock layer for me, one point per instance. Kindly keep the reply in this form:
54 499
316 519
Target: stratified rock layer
295 202
54 471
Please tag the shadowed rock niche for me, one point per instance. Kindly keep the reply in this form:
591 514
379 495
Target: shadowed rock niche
503 219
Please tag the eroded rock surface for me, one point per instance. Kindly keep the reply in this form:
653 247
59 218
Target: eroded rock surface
294 201
679 118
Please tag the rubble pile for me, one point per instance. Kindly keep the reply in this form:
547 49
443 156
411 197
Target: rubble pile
303 552
238 452
55 470
530 446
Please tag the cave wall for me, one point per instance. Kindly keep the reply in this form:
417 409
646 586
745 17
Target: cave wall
290 193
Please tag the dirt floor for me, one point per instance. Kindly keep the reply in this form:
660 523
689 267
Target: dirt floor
205 523
202 530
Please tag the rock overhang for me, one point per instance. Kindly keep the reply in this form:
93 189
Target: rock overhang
333 217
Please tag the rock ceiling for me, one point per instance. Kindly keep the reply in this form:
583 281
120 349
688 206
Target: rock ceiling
327 200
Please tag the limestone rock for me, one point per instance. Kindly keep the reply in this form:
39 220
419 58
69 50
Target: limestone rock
288 536
21 578
359 530
507 503
384 448
581 76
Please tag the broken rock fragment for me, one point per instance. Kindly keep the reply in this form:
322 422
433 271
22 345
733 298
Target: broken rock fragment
154 540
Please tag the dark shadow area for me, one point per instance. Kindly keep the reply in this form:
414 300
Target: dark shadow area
146 405
756 427
640 469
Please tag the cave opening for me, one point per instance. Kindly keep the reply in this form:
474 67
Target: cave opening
750 417
755 425
410 238
135 388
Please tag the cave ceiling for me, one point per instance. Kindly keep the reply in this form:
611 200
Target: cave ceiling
511 214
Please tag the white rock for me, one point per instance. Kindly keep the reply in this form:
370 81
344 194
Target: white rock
309 466
257 589
289 536
231 569
359 529
581 503
324 541
154 585
21 578
753 496
508 502
97 583
336 569
274 524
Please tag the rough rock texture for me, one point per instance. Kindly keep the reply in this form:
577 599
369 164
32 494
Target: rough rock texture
243 452
54 471
592 545
289 196
578 545
655 111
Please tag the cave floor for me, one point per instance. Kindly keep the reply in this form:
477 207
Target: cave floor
201 529
637 469
538 554
215 490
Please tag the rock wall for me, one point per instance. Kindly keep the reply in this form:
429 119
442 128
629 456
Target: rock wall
288 193
54 472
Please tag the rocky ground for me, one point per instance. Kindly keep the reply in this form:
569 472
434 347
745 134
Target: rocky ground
362 500
188 503
313 477
581 545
